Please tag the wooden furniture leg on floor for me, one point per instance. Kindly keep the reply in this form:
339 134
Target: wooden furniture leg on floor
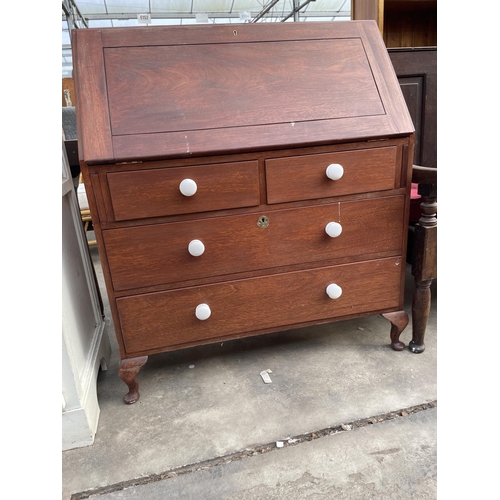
424 264
129 368
399 321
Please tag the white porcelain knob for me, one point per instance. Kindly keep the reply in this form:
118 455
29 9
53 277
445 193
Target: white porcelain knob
334 171
196 248
188 187
203 312
333 229
333 291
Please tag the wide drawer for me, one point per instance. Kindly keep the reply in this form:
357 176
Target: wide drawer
158 254
305 177
166 319
156 192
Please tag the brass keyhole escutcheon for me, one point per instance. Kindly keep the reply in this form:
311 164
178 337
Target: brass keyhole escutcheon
263 221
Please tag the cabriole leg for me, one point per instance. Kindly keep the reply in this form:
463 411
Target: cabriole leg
129 368
399 320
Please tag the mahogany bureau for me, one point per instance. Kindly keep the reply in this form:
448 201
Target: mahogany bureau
242 179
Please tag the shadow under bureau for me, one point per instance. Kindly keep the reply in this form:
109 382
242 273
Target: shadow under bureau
243 179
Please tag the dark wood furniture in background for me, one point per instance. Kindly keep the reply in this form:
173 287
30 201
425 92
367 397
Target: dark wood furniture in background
402 23
416 69
409 29
241 185
417 74
424 258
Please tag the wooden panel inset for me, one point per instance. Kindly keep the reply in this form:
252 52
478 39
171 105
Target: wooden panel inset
184 88
167 319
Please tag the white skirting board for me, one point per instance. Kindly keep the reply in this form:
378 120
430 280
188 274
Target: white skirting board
79 421
85 341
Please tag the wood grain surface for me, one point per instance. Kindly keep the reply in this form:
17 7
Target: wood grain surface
254 114
168 92
186 88
304 177
156 254
155 192
168 318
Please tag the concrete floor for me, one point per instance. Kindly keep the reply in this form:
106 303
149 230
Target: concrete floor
356 419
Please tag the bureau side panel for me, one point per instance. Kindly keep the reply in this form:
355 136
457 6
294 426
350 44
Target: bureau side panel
387 82
93 124
93 188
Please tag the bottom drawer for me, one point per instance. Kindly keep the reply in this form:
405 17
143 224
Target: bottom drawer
165 320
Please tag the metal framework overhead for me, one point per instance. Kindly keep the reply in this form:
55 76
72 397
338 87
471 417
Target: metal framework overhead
81 14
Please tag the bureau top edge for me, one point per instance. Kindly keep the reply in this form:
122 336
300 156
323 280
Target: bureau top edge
220 157
213 155
225 33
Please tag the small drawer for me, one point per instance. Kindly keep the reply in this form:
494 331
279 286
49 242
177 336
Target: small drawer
330 174
180 251
179 190
170 319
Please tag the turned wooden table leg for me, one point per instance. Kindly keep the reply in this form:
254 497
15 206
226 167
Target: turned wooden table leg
399 321
424 265
129 368
421 307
